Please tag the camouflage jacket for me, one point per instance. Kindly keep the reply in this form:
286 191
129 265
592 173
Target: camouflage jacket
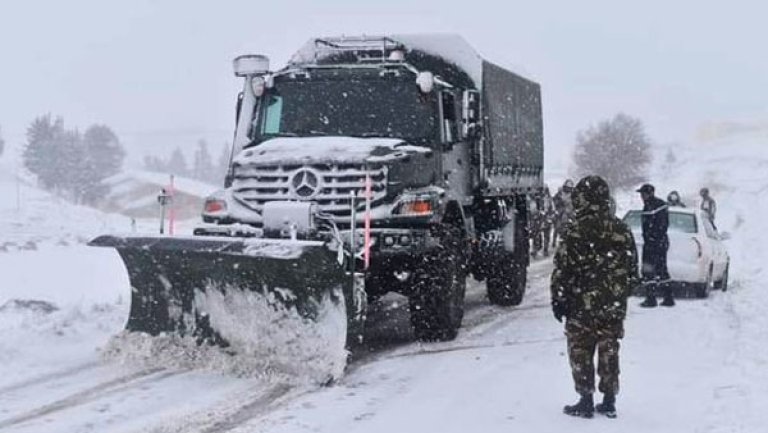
595 268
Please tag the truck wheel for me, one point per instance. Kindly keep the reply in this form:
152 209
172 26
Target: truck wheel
506 284
437 303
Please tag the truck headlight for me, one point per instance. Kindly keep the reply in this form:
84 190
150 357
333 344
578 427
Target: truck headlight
416 205
215 206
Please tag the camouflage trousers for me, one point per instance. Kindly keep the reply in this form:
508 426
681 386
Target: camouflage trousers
584 339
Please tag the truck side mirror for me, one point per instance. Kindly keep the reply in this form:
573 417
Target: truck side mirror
470 110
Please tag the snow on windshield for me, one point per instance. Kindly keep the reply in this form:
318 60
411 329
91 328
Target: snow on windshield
362 108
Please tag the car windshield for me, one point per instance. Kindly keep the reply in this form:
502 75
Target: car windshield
370 107
678 222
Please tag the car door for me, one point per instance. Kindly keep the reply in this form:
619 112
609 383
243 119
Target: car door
718 251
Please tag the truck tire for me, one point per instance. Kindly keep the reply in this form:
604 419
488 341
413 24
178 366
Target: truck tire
509 273
506 283
437 303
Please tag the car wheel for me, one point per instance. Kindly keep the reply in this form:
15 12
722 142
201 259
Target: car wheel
723 283
703 289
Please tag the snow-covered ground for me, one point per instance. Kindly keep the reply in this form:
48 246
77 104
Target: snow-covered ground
699 367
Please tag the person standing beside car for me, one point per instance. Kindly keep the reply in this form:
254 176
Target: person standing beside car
595 271
655 222
708 205
673 199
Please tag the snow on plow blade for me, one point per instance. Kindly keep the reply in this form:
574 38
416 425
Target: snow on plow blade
211 287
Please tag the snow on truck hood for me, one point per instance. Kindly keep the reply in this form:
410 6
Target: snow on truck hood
304 150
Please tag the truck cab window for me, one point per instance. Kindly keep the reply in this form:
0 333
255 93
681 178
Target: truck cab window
272 115
448 116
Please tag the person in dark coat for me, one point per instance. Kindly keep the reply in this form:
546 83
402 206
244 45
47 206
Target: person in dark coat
563 209
595 271
655 221
673 199
542 214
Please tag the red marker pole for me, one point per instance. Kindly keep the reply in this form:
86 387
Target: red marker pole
367 234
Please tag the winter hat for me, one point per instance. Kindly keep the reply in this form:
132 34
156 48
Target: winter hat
591 194
647 188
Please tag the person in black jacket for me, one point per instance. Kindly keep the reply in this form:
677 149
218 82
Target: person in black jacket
655 245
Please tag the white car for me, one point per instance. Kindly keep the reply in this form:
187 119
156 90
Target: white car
697 257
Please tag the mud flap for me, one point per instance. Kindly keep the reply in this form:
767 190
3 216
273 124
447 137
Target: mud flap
188 285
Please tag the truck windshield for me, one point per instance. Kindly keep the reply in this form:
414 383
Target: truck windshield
357 108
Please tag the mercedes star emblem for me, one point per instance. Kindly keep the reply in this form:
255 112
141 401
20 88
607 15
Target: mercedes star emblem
305 183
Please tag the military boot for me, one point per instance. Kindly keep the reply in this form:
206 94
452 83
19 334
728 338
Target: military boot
650 302
608 406
650 296
585 408
669 299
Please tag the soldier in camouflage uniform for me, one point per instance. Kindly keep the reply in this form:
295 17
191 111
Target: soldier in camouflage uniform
595 271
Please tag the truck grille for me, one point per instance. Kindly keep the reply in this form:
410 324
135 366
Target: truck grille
328 185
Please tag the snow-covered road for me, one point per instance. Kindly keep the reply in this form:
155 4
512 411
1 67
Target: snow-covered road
510 373
699 367
507 370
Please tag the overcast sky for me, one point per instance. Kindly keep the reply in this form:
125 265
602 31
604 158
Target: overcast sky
160 73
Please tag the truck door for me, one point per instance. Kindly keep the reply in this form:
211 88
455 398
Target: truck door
455 150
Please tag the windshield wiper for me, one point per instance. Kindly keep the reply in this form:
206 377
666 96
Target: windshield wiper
307 132
372 134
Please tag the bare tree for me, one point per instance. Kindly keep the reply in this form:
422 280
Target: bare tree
617 149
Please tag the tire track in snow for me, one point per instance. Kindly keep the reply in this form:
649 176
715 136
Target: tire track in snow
50 377
93 393
481 318
461 348
253 409
488 318
231 414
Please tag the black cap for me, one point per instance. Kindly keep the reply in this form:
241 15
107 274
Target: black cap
647 188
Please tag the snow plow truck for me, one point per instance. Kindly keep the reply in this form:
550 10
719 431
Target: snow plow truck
366 165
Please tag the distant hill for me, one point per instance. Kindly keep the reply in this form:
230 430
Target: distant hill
31 218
